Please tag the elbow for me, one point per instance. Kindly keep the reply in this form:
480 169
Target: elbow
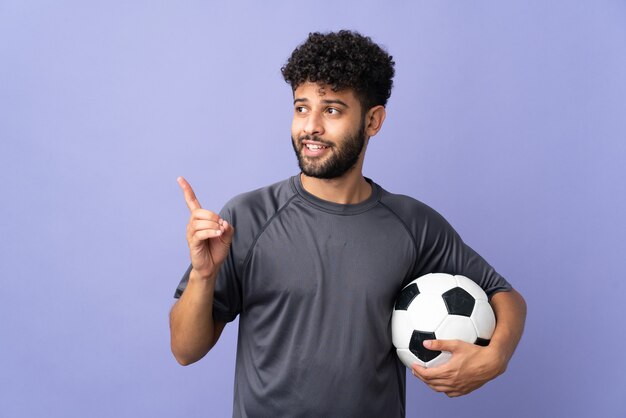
184 359
181 352
186 354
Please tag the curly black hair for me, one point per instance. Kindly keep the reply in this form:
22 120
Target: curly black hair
343 59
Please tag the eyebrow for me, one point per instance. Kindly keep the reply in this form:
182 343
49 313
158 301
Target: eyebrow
327 102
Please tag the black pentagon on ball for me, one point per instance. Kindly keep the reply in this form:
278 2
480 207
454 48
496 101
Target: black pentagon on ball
416 346
459 302
406 297
482 342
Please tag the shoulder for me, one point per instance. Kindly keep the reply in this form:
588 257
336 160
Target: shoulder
410 210
257 206
426 225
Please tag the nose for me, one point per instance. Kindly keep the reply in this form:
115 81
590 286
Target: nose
314 124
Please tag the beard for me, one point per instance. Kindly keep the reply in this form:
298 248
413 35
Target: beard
342 157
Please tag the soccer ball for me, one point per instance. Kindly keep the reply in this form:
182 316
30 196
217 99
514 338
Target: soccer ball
439 306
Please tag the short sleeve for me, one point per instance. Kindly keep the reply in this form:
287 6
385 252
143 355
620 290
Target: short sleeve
440 249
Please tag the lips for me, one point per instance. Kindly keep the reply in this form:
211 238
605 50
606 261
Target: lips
315 146
312 148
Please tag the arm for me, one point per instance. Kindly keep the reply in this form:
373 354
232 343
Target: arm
472 366
510 311
193 330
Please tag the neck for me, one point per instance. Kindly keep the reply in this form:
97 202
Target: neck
351 188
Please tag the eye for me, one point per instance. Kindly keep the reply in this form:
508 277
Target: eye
300 109
333 111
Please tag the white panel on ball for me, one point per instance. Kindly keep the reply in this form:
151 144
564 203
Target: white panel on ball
408 358
436 283
456 327
484 319
401 329
427 311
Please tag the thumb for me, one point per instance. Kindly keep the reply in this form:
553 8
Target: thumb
227 233
441 345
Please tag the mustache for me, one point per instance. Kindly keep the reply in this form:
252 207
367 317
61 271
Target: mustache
316 139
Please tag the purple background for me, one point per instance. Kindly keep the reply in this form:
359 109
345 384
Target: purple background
507 117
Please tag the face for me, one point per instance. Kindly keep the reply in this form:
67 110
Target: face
328 131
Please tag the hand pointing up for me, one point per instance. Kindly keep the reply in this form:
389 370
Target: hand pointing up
209 236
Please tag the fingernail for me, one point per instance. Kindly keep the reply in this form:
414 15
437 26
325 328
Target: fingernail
428 343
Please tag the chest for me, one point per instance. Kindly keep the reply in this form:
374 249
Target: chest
357 261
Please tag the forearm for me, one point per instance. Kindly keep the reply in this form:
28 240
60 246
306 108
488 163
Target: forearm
192 328
510 310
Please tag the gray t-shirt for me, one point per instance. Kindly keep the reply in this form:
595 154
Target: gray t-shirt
314 284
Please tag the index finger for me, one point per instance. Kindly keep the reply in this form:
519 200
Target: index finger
190 196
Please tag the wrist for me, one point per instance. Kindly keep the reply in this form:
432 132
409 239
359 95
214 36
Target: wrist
201 277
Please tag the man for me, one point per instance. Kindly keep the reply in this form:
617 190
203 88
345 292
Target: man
312 265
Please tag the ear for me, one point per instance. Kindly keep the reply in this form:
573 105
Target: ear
374 120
